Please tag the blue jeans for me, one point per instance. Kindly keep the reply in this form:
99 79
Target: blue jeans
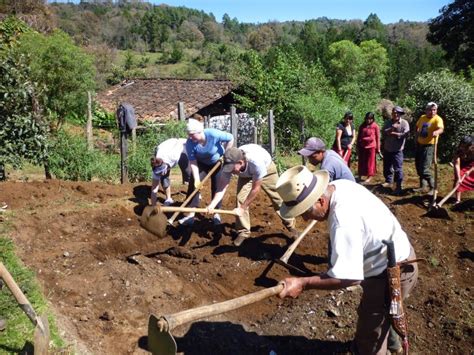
393 165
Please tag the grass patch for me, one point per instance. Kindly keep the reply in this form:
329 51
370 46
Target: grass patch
19 332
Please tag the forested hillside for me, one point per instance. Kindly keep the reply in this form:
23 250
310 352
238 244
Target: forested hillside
209 45
53 54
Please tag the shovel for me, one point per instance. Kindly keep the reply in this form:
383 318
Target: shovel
436 210
190 197
154 220
41 335
284 259
160 340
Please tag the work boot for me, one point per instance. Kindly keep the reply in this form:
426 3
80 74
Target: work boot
398 189
423 187
241 237
3 324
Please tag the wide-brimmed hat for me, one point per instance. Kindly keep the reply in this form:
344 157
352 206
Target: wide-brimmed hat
299 189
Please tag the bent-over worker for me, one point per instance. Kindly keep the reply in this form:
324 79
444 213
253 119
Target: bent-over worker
169 153
255 170
315 150
358 222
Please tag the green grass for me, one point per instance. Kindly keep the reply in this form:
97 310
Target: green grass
19 332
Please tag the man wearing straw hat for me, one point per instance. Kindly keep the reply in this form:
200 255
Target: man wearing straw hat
256 170
358 222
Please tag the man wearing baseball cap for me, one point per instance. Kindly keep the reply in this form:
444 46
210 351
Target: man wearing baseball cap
255 170
315 150
428 129
358 224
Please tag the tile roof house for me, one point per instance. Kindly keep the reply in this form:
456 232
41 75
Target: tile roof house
157 99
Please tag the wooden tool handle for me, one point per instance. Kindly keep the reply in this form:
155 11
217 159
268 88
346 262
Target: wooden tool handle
193 314
294 245
190 197
194 209
18 294
454 188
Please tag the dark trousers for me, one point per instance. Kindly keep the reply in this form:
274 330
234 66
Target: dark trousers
423 159
204 168
183 166
393 165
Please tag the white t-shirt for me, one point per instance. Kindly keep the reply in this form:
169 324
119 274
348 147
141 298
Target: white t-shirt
170 150
258 160
358 222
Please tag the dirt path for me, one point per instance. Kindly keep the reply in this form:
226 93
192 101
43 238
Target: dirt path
77 237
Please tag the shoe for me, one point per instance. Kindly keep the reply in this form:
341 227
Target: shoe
168 202
430 192
216 219
387 184
367 181
395 351
240 238
3 324
187 221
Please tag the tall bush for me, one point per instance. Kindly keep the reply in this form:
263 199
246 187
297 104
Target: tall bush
455 99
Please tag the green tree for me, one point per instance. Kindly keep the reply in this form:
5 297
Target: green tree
454 31
22 131
358 72
63 72
374 29
455 99
279 81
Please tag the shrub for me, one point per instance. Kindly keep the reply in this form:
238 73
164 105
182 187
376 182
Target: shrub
71 160
455 99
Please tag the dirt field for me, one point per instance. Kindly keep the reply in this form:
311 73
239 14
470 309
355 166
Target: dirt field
77 237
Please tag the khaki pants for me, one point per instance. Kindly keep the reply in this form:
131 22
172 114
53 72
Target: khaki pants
374 321
244 185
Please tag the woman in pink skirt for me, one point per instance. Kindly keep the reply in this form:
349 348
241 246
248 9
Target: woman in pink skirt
368 146
464 164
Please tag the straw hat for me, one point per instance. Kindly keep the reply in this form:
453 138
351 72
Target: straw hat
300 189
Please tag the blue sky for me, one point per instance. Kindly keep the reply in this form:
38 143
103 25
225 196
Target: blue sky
259 11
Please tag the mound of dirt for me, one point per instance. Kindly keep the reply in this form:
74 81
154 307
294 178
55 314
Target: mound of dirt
104 275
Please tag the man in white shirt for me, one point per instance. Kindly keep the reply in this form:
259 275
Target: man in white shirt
169 153
256 170
358 222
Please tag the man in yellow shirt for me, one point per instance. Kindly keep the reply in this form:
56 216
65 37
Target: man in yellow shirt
428 128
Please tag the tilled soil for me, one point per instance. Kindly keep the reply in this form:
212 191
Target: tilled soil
104 275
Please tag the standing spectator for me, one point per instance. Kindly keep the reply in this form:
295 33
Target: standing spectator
463 163
394 134
204 148
315 150
368 146
358 223
255 170
345 137
169 153
428 128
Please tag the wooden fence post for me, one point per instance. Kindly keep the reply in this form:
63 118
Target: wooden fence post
181 112
271 133
234 125
123 158
90 143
